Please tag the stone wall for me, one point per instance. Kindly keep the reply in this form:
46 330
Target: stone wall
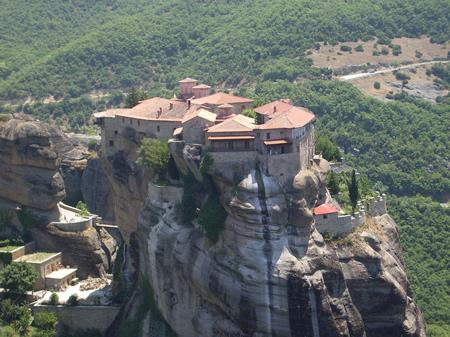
232 165
82 317
377 205
165 194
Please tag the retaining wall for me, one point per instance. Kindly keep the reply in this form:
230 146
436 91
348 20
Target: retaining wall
82 317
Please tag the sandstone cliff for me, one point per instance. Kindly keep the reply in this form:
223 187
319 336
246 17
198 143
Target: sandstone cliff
271 273
31 156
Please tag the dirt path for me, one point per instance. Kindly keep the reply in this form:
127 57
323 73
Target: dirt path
388 70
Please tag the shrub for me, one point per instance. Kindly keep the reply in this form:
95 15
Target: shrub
45 320
359 48
26 218
154 154
212 218
4 243
249 113
328 149
346 48
17 278
385 51
402 76
206 163
377 85
384 40
376 53
92 144
419 54
54 299
81 206
73 300
396 50
6 217
10 312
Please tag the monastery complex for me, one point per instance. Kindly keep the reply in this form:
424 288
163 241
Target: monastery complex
280 138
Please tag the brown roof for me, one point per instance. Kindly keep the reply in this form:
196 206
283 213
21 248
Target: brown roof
221 98
294 118
157 108
225 106
109 113
274 107
177 131
202 113
238 123
188 80
201 86
231 137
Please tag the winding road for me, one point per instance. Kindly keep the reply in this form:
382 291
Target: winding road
388 70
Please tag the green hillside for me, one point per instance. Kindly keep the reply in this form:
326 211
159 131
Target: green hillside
70 48
67 48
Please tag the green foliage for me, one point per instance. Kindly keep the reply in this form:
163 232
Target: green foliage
346 48
385 51
10 312
82 207
425 240
249 113
72 300
359 48
402 76
54 299
154 154
26 218
5 258
438 330
396 49
206 164
442 72
333 183
212 218
67 49
6 217
353 192
17 278
45 320
377 85
328 149
8 331
134 96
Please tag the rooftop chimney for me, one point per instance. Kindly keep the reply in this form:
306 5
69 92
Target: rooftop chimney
158 114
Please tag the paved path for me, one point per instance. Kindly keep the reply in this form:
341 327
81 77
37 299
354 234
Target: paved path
388 70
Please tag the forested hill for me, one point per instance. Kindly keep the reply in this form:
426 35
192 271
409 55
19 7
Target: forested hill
68 48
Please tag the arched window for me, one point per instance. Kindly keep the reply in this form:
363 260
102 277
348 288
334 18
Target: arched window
158 128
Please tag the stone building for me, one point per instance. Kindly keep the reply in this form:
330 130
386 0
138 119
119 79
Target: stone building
280 139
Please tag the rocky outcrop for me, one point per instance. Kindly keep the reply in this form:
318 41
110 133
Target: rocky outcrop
29 164
271 273
31 156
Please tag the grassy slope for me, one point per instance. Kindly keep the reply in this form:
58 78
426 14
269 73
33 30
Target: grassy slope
72 51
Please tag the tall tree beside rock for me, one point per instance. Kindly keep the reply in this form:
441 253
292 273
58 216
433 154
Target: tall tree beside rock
333 183
353 191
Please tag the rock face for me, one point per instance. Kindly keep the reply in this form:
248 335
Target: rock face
29 164
31 153
271 273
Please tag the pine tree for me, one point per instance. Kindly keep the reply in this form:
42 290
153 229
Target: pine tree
353 192
333 184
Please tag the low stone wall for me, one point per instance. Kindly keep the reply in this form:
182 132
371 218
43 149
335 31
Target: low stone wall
74 226
82 317
21 251
165 193
339 225
376 206
284 167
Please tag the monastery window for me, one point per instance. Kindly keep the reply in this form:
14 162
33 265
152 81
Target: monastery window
123 120
325 216
258 135
158 128
115 132
246 145
139 123
268 135
111 143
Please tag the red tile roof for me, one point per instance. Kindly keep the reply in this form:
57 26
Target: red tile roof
202 113
188 80
109 113
201 86
158 108
276 142
274 107
231 137
238 123
295 117
325 209
220 98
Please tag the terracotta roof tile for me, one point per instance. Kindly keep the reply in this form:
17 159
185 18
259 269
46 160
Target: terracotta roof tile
274 107
109 113
201 86
157 108
325 209
187 80
238 123
295 117
221 98
203 113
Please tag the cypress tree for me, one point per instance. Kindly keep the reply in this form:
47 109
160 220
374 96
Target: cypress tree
333 184
353 192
